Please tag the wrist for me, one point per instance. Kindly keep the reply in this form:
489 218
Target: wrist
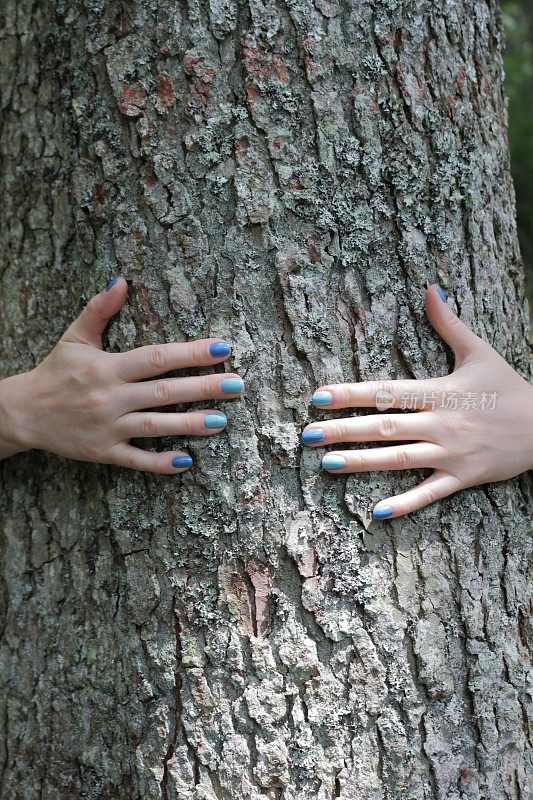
13 398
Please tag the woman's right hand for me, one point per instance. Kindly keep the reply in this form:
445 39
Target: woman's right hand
83 403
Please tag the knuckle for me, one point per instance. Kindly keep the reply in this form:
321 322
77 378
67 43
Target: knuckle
97 402
454 323
163 391
385 387
149 425
206 388
130 461
340 431
343 393
197 351
357 462
386 426
402 459
94 304
385 394
113 364
190 424
156 357
430 495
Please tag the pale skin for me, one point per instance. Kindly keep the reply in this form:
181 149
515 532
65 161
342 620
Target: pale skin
84 403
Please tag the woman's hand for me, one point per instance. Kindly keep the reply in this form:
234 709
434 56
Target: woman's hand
86 404
472 427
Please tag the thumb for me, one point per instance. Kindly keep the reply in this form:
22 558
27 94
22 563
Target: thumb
459 336
88 327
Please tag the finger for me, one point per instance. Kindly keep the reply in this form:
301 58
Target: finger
459 336
152 424
168 463
410 456
436 487
171 391
150 360
374 427
407 394
88 327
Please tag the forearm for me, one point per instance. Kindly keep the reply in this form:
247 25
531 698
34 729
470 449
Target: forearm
12 395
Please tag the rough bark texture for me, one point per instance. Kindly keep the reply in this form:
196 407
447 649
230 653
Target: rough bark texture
288 175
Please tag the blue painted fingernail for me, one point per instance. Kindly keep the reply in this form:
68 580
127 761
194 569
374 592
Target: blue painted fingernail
215 420
333 462
442 293
182 461
322 399
219 349
111 283
312 435
381 513
232 385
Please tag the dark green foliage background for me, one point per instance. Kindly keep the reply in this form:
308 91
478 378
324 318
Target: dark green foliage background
518 19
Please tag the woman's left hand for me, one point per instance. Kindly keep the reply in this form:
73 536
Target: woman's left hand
472 427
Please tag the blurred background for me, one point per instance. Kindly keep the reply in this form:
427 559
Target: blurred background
518 23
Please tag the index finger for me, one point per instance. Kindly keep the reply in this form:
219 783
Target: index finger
412 394
156 359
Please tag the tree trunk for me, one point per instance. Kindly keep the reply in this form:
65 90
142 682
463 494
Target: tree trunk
288 176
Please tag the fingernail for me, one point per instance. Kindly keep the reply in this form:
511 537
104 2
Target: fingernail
333 462
232 385
219 349
182 461
312 435
215 420
442 293
111 282
322 399
381 513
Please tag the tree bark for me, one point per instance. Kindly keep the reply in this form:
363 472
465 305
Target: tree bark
289 176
